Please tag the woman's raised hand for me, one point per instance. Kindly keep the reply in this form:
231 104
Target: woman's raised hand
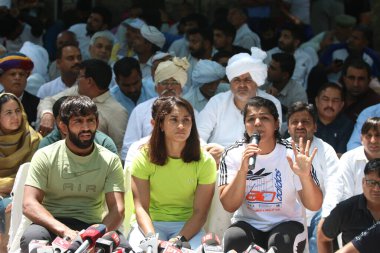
302 164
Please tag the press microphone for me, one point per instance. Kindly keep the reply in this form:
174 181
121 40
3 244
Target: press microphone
35 245
60 245
107 243
150 243
256 248
89 237
254 139
75 244
211 243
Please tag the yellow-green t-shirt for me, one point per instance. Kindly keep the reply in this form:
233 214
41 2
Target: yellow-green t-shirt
75 186
173 186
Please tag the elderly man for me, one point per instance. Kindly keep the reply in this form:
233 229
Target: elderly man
70 182
145 44
101 45
206 77
221 123
14 71
219 120
170 77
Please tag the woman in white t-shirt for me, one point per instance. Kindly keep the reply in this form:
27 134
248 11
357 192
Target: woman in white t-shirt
267 197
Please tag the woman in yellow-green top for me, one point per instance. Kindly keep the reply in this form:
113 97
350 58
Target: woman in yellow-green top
18 142
172 178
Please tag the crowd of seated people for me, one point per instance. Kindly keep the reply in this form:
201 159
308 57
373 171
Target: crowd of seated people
256 123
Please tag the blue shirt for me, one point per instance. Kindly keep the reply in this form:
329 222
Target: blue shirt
147 92
372 111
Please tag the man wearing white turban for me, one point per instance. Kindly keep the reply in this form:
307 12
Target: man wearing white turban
221 122
170 77
206 78
145 44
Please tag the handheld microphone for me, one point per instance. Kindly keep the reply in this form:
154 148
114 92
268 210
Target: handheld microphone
150 243
89 237
60 244
211 243
126 248
107 243
36 244
254 139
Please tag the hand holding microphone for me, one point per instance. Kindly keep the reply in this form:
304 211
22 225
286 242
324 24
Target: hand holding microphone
254 139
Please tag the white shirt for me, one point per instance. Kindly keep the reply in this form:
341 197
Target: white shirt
271 191
304 63
112 115
246 38
222 122
326 166
26 35
180 47
139 125
51 88
351 166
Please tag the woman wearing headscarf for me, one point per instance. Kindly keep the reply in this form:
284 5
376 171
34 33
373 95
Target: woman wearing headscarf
18 142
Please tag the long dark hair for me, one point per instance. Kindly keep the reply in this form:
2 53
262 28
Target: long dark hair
258 102
157 146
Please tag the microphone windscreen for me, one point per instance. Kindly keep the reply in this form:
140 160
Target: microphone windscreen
75 244
211 239
93 232
113 237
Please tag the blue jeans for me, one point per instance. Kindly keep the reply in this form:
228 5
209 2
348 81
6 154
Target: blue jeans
312 232
4 202
165 230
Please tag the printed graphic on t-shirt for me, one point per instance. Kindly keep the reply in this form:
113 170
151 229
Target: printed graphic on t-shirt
264 191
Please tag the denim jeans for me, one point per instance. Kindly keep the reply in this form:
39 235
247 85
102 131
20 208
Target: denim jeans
4 202
312 232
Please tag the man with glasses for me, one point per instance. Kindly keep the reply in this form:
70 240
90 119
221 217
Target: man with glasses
356 214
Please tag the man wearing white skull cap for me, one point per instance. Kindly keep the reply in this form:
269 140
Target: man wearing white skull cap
145 44
206 77
221 123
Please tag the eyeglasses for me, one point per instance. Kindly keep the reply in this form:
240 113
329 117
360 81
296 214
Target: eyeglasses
169 83
372 183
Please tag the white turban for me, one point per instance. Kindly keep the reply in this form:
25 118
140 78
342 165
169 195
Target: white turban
207 71
244 63
134 22
153 35
176 68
